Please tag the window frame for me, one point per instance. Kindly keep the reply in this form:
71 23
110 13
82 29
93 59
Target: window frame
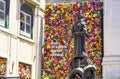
25 24
2 21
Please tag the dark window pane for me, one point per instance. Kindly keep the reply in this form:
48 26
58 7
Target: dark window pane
27 28
22 26
2 5
2 16
28 19
27 9
38 0
22 17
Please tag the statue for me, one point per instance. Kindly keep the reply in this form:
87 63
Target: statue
79 32
80 67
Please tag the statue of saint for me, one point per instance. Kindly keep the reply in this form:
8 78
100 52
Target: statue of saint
79 32
79 64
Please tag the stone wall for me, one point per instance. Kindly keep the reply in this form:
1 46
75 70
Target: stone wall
111 60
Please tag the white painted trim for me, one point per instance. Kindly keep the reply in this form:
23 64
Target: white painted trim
34 2
25 61
2 23
25 34
26 39
4 29
39 46
17 55
7 31
4 55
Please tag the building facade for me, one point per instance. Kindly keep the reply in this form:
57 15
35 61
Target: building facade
21 23
111 60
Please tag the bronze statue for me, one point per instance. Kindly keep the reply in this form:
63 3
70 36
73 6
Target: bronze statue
80 66
79 32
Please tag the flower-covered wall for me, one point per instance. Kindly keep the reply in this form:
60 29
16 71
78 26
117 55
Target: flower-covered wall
3 65
59 48
25 71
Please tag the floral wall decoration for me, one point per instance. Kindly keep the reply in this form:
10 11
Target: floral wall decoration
3 62
25 71
59 48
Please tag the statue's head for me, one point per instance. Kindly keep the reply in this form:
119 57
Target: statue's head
79 15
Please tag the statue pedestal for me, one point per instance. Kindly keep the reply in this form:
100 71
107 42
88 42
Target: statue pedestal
79 62
81 69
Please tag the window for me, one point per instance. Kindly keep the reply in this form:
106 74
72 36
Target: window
25 24
26 20
2 12
38 0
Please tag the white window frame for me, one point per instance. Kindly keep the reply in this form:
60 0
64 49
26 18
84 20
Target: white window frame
2 22
25 23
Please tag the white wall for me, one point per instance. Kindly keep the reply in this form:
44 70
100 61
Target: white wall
17 48
111 60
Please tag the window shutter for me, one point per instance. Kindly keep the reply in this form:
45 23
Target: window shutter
6 22
31 34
